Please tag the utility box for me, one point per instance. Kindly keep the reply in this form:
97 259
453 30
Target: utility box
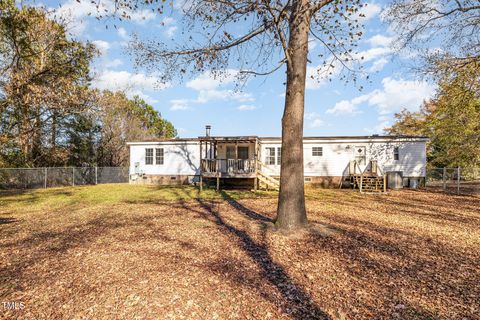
394 180
414 183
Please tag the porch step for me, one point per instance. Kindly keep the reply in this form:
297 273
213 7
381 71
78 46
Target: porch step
372 183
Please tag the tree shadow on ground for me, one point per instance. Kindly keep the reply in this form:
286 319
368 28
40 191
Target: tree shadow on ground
295 301
389 261
7 220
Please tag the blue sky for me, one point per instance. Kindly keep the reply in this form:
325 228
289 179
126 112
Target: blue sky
331 107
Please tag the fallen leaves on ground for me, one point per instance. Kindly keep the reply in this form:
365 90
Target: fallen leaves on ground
405 255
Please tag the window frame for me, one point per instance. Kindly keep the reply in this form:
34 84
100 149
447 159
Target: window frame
317 151
148 157
279 156
270 156
159 158
244 148
396 153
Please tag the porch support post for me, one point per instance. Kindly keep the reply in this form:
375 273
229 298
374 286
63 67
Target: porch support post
255 156
218 183
201 170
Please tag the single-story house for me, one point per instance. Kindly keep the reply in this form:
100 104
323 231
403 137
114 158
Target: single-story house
252 160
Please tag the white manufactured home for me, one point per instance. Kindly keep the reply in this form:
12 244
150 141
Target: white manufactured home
358 161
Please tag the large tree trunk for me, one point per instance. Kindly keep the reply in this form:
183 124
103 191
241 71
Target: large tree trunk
291 211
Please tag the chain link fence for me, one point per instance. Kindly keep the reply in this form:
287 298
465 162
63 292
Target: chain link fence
31 178
454 180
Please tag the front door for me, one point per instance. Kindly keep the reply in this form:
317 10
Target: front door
361 156
230 152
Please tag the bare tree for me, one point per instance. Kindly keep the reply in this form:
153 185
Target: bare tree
446 33
259 37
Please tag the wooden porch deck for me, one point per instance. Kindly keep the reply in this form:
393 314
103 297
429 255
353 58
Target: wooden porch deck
228 168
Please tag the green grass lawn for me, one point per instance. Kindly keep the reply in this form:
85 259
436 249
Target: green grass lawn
108 194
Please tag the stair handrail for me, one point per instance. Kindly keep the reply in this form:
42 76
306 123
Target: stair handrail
261 166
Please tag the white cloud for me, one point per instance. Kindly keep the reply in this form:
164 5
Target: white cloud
399 94
123 33
379 40
314 120
348 107
210 87
76 13
344 107
170 24
372 54
131 84
378 65
245 107
170 32
211 80
378 129
141 16
102 46
370 10
168 21
179 104
205 96
393 97
114 63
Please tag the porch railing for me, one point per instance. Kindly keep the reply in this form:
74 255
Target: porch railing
231 166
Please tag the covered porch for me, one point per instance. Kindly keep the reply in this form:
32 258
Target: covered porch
228 157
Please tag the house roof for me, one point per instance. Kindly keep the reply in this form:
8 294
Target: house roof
253 138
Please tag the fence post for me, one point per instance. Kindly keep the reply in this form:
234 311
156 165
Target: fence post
45 181
444 178
458 180
73 176
96 175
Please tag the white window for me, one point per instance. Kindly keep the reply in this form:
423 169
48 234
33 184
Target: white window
396 154
159 156
270 159
149 156
317 151
279 155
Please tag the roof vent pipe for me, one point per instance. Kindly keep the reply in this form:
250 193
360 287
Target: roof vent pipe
207 130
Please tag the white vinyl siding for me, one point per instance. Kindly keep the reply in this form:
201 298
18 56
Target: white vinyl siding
337 155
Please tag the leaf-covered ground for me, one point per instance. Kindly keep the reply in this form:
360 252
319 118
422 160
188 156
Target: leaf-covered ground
135 252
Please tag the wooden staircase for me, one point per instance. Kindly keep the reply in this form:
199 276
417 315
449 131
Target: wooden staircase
265 181
371 181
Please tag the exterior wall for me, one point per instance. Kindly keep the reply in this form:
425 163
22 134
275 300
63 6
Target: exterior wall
337 155
181 158
222 149
162 179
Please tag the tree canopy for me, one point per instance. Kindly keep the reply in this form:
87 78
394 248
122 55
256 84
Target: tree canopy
50 116
451 120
